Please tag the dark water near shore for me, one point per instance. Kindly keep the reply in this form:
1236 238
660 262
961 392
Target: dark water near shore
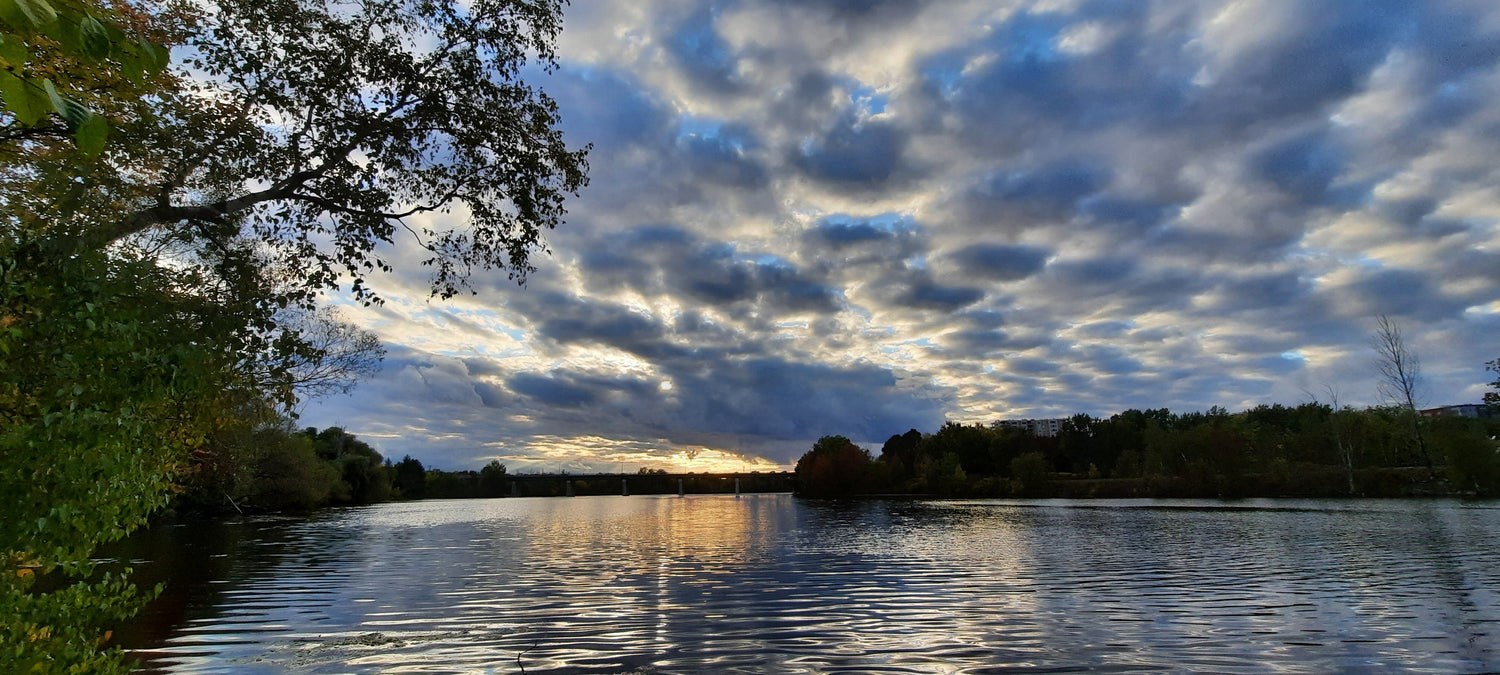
774 584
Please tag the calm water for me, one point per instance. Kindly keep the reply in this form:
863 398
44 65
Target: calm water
774 584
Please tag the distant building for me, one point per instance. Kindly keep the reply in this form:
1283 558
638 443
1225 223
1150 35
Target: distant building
1474 410
1048 427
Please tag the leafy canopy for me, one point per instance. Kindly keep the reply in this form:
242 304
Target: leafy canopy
166 229
317 129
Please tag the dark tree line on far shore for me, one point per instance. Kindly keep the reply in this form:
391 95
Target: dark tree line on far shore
282 469
278 468
1270 450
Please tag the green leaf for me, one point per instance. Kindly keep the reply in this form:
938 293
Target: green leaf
13 51
91 136
93 38
22 98
157 57
72 112
134 73
37 12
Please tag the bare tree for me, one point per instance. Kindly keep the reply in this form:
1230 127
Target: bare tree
1341 440
321 354
1400 375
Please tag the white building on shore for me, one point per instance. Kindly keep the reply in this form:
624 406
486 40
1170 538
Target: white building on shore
1038 427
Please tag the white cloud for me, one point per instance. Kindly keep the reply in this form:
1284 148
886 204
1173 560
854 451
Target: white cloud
1030 209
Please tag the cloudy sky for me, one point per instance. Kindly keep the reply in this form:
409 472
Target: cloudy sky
843 217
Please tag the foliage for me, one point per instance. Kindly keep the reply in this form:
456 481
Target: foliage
1400 377
1492 398
492 479
164 236
1311 449
316 129
289 475
101 403
365 479
834 466
1471 455
43 93
267 465
410 478
1031 473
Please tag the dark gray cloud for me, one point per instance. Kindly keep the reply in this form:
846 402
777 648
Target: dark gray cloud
785 400
1000 261
862 217
856 155
549 390
1022 198
923 294
722 158
1305 167
977 342
702 54
667 259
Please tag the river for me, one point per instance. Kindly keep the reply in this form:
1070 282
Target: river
777 584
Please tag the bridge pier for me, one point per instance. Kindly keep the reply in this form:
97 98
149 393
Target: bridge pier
570 488
736 487
624 487
679 487
515 488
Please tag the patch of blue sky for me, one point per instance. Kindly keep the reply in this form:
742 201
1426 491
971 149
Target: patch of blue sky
945 71
1294 355
715 129
890 221
869 101
771 260
702 127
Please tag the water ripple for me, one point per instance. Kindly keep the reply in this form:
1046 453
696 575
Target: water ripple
771 584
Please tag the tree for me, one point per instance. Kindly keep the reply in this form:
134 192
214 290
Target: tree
103 401
410 478
1492 398
165 232
835 466
1341 439
367 480
492 479
289 474
1400 373
321 354
44 97
409 109
900 451
1031 473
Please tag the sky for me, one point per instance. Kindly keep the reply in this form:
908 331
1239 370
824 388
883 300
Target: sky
819 217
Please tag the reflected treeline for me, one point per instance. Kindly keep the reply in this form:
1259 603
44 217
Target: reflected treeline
1310 450
279 469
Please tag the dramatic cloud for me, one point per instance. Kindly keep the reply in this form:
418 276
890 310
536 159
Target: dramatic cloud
856 218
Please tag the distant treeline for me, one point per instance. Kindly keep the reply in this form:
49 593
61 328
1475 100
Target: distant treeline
1271 450
283 469
280 468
